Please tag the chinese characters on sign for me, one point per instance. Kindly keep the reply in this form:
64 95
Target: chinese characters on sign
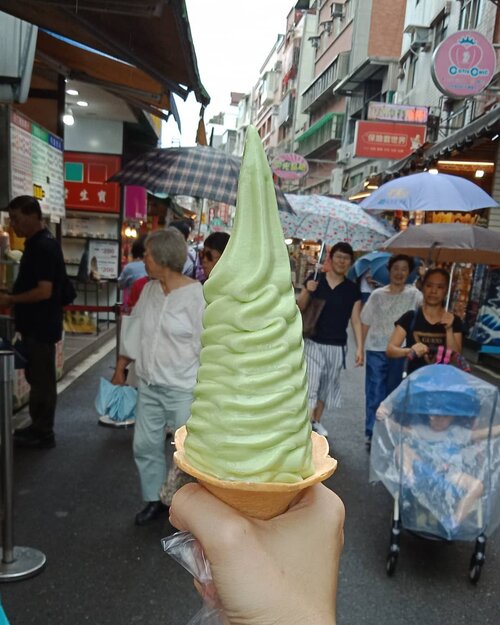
386 140
397 112
85 183
36 166
289 166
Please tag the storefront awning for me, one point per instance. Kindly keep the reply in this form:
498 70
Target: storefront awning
123 80
489 122
152 35
315 127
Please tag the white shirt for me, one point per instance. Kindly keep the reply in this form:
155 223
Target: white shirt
171 328
382 309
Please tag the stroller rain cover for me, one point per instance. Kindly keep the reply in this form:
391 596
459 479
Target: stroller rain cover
436 447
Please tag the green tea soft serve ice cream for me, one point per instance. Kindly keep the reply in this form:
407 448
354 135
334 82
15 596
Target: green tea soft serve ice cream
249 420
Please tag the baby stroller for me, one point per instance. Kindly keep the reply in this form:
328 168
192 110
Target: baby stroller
436 448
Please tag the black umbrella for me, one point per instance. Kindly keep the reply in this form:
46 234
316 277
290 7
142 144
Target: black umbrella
199 171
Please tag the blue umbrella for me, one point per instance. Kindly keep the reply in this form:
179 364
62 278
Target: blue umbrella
376 263
429 192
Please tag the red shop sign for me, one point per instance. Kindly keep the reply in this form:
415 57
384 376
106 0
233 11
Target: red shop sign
387 140
85 183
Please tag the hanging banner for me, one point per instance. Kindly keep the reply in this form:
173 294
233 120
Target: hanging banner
85 183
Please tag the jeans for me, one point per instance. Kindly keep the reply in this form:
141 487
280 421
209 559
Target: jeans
157 408
383 375
40 374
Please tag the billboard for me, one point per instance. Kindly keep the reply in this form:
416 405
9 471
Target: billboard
387 140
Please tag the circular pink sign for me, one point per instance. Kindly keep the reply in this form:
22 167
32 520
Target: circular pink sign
463 64
290 166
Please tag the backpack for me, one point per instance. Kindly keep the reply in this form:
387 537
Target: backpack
68 292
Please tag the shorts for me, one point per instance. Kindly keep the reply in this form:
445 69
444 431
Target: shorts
324 363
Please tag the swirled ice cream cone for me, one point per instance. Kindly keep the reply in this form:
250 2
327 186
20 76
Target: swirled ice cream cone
249 437
260 500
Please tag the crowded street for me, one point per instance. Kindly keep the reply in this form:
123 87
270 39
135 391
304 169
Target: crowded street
76 503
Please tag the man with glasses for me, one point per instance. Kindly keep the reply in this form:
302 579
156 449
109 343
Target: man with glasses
325 351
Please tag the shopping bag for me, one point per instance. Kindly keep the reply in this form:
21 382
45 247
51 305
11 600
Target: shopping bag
310 317
115 401
130 336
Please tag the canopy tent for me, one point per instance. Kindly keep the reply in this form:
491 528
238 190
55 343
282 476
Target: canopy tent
125 30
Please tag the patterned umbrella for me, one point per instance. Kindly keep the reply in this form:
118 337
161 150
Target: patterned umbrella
322 218
199 171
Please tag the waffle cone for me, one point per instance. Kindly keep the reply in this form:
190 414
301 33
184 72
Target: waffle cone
260 500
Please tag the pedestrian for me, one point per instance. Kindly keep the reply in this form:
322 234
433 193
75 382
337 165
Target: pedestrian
170 310
133 270
384 306
37 297
325 352
190 264
280 571
429 326
213 247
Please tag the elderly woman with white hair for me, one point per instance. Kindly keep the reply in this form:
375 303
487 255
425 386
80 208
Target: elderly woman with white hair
170 309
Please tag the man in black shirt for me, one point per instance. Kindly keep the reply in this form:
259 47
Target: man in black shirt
36 298
325 351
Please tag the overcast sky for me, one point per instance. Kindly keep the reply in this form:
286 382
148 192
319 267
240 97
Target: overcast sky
232 39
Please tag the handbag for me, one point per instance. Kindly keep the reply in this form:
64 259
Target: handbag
310 317
130 336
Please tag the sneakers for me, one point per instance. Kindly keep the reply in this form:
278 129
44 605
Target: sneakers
33 438
319 429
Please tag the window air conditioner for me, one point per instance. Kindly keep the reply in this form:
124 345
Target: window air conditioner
337 10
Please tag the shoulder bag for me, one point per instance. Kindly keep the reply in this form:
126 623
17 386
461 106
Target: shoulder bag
130 336
310 317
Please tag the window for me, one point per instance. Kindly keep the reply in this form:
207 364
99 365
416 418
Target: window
469 14
440 30
412 66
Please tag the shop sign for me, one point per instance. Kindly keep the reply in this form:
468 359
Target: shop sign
387 140
289 166
85 183
397 113
463 64
135 203
36 165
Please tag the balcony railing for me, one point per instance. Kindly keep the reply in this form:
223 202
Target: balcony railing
321 89
326 133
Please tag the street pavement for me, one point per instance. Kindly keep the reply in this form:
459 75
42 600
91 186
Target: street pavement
77 502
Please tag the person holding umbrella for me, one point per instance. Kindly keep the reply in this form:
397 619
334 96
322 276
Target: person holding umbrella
427 327
384 306
325 352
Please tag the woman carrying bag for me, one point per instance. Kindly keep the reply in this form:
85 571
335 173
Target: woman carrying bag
169 315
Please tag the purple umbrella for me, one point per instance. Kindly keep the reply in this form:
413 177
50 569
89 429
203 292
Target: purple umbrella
428 192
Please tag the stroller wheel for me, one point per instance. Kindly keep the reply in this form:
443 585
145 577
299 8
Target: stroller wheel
390 565
474 573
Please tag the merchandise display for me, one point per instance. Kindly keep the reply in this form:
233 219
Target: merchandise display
249 439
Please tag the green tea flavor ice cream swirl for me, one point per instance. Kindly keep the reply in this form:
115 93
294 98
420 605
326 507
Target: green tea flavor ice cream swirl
249 418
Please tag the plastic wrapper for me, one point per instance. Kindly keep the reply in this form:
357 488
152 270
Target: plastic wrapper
115 401
186 550
436 448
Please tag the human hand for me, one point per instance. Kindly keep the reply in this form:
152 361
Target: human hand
278 572
119 378
360 358
311 285
447 319
5 300
420 349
